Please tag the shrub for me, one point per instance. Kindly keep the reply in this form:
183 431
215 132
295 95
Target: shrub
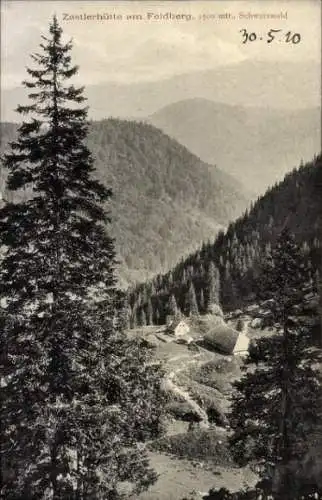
200 444
182 411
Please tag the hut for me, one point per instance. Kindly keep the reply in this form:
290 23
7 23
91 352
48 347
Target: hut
227 340
177 326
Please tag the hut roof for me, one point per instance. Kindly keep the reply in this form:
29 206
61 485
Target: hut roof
201 325
223 337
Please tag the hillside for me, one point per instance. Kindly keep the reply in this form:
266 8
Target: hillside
257 144
166 201
238 252
199 383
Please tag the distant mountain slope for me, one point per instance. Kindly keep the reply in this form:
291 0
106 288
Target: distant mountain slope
256 145
238 252
256 83
166 200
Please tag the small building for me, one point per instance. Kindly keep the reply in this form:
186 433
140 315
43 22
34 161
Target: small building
177 326
227 340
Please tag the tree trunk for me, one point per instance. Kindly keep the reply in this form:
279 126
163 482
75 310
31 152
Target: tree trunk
53 471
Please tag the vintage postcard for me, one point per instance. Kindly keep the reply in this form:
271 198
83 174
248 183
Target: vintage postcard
160 249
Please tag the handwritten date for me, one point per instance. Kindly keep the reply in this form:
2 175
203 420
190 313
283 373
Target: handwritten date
271 36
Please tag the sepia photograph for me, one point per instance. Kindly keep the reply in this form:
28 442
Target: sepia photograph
161 250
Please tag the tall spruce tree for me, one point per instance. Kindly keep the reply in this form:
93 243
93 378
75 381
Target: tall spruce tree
149 312
76 393
201 301
172 307
277 403
213 285
142 317
191 305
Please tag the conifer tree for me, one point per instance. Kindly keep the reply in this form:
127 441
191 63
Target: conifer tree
172 305
276 406
318 281
142 317
201 301
157 315
149 313
227 292
123 311
191 306
76 392
133 318
213 285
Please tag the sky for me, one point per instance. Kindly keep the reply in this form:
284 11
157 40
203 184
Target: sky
150 49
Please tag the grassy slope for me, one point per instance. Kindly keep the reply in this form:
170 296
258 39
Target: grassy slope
179 478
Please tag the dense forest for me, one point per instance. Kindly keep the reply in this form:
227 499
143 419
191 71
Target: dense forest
229 267
165 202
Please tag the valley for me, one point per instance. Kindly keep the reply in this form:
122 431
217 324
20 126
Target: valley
160 253
261 146
165 202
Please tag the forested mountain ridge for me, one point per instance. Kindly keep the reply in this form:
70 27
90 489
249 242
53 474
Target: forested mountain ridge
259 144
232 262
166 200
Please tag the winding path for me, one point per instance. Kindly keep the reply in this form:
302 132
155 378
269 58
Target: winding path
170 385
